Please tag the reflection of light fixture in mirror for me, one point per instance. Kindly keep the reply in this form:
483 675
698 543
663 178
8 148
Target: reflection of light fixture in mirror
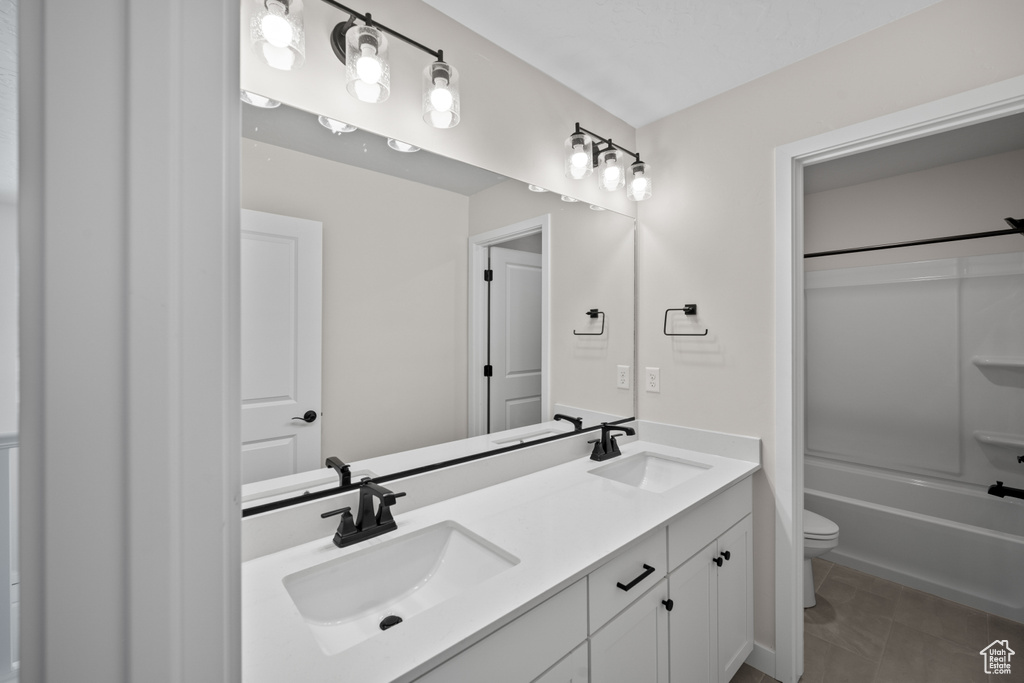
567 198
400 146
579 155
441 95
363 49
258 100
277 35
335 126
585 150
639 186
595 207
536 188
366 64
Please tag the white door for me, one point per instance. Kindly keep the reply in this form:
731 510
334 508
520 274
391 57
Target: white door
281 308
515 339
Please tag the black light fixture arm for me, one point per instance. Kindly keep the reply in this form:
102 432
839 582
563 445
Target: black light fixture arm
438 55
607 141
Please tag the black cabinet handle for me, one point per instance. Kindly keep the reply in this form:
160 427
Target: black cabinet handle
718 561
309 416
648 570
726 554
668 605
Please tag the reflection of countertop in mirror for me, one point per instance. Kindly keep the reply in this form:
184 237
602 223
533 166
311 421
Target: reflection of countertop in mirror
559 524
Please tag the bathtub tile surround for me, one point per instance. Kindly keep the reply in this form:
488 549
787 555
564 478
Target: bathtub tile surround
868 630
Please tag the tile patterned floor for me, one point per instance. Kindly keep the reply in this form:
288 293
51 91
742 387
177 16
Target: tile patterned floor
867 630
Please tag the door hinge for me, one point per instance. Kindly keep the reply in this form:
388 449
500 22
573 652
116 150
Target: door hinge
488 371
488 275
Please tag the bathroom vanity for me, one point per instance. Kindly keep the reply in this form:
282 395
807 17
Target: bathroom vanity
570 573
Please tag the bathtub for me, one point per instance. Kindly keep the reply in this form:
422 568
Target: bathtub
951 540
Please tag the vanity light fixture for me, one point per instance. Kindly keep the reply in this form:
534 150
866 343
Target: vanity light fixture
258 100
335 126
363 49
400 146
277 35
586 151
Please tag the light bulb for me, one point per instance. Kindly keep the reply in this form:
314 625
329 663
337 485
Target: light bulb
579 155
441 97
611 175
276 28
368 66
578 158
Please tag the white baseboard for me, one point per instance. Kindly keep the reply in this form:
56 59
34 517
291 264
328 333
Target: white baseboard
762 658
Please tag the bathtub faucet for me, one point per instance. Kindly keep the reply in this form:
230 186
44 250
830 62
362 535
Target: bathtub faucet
998 489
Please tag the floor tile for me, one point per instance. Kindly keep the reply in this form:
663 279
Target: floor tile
845 667
871 584
820 568
854 619
912 656
747 674
943 618
815 654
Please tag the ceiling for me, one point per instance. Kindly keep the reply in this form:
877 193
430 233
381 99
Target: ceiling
642 60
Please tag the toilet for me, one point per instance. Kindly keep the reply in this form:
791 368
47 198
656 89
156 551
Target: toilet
820 536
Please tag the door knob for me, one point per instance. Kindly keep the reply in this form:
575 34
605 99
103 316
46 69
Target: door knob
310 416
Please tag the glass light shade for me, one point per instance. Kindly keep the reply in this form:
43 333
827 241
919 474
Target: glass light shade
579 156
335 126
640 184
536 188
441 95
567 198
257 100
367 71
611 169
400 146
277 35
595 207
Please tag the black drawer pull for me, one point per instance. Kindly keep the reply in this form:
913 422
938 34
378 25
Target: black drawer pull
648 570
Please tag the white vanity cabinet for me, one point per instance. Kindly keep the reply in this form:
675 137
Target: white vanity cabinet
712 589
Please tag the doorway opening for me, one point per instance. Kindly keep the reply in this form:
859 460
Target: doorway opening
509 377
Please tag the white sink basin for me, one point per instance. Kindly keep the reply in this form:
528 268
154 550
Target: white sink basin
650 471
345 600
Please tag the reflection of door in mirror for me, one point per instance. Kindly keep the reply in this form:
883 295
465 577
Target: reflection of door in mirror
514 314
281 341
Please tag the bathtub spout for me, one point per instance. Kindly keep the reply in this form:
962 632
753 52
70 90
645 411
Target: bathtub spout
998 489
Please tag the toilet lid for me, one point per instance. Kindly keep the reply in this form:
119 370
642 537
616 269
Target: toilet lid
816 526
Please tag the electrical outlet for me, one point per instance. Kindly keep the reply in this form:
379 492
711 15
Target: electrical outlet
622 377
653 380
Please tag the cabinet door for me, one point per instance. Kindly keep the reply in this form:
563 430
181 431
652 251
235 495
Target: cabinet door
573 668
735 599
634 645
693 654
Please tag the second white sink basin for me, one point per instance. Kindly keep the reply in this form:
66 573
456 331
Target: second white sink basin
347 600
650 471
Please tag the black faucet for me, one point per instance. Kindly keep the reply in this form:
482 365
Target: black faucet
344 471
998 489
577 422
606 447
370 522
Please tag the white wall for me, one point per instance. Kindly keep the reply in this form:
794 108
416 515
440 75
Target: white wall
515 119
394 297
592 267
969 196
8 318
710 239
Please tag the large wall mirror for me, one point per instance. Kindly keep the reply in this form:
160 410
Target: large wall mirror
394 234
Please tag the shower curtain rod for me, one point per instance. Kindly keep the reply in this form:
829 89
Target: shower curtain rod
1017 228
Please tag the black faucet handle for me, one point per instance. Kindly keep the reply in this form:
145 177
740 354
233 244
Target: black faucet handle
389 497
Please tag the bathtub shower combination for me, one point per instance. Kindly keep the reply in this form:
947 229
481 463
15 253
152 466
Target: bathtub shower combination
915 406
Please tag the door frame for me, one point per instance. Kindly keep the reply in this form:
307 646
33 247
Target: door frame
477 317
989 102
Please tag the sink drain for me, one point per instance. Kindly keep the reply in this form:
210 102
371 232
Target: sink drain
389 621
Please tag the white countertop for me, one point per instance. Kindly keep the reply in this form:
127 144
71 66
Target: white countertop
561 523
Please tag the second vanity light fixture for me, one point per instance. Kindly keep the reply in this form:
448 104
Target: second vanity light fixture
584 153
363 49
